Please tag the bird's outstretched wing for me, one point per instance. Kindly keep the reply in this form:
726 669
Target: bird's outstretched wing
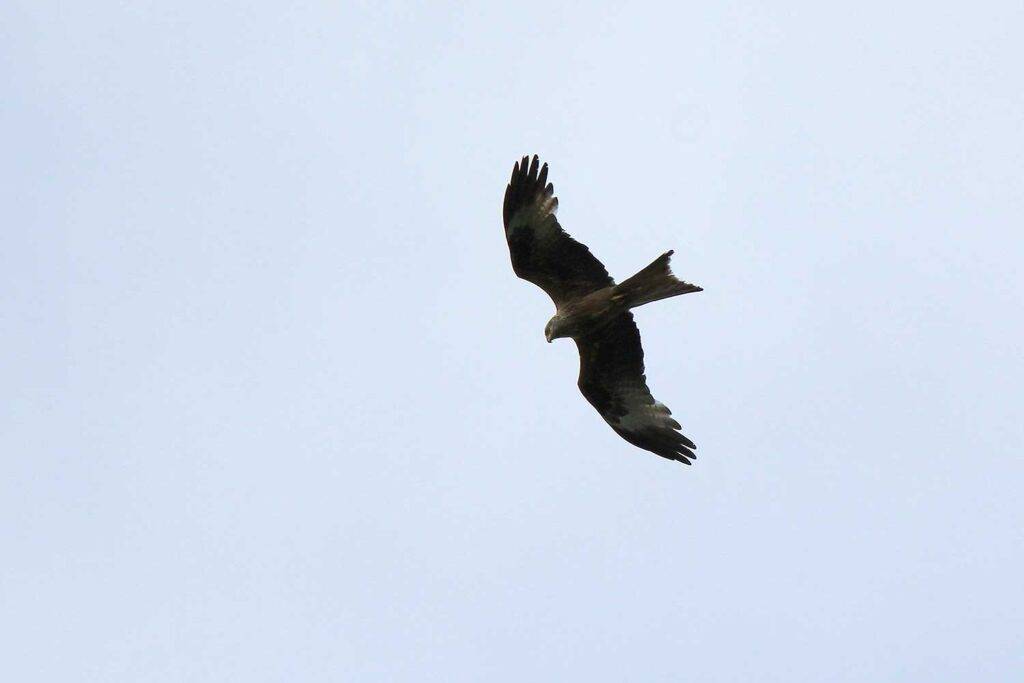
541 251
612 379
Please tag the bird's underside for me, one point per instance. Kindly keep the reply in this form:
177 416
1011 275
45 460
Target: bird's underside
594 312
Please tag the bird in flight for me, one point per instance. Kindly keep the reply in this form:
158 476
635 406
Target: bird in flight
594 311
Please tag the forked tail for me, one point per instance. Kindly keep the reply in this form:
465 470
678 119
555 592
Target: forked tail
653 283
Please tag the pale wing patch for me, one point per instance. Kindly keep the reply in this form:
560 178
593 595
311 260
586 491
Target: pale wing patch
642 415
539 217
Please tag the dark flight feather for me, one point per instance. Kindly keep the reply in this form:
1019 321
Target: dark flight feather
541 251
612 379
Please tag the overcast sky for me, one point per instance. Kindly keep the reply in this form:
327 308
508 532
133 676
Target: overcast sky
275 407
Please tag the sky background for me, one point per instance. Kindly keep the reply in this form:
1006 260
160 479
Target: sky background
275 408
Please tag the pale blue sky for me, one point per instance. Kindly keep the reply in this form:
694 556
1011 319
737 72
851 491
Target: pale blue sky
275 407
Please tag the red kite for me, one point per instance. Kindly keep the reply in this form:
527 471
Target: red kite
594 311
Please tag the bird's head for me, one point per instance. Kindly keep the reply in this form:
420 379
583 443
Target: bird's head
555 328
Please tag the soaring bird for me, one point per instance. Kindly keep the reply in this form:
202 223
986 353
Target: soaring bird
594 311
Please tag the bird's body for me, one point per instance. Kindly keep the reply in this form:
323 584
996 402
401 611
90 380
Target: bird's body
586 316
594 311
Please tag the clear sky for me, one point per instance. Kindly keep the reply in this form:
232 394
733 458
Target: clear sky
275 408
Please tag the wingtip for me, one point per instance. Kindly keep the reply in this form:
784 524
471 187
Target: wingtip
528 159
521 166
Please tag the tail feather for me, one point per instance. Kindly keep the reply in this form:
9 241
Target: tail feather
653 283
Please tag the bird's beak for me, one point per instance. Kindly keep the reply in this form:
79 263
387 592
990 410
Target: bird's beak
548 338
